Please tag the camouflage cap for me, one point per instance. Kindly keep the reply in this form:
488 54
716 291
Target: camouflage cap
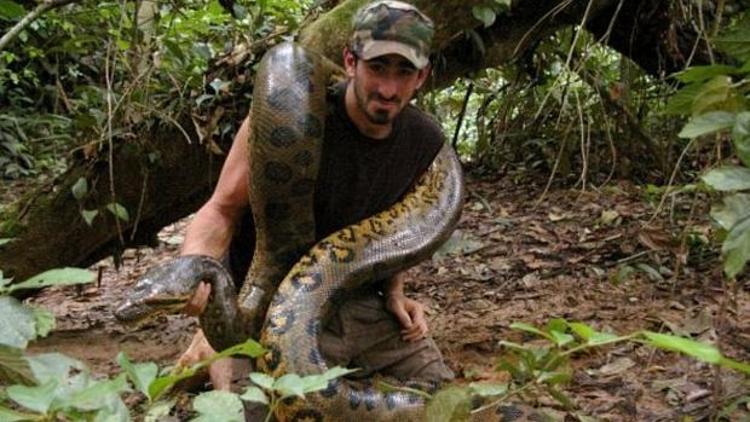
392 27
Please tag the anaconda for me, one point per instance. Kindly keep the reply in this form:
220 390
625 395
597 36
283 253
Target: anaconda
284 146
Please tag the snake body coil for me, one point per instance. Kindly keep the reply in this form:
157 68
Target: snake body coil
288 114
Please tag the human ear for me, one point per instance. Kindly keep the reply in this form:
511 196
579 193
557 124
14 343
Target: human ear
350 62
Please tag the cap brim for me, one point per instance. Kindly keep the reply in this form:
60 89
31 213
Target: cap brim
381 48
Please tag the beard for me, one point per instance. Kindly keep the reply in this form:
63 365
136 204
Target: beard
378 116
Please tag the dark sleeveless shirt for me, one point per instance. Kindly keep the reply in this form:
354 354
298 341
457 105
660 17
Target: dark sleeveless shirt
360 176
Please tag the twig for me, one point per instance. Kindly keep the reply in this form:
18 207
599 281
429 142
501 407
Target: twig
671 181
108 78
460 122
31 17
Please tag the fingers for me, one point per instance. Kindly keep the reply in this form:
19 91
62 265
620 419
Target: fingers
198 302
198 350
418 329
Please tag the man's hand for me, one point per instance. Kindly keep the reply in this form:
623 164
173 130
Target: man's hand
411 315
197 304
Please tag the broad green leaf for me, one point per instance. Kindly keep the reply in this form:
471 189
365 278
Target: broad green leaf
249 348
80 188
95 396
119 211
289 385
717 94
729 178
219 406
17 325
452 404
701 351
733 208
45 321
741 137
254 394
11 10
313 383
159 411
584 331
592 337
6 240
702 73
36 398
553 378
736 248
8 415
707 123
142 374
14 369
89 215
263 380
681 102
530 329
56 277
561 339
53 366
488 389
484 14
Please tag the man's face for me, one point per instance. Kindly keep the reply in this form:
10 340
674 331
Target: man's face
384 85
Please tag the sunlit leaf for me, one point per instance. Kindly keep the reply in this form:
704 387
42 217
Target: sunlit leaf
56 277
254 394
530 329
702 73
6 240
736 41
53 366
488 389
249 348
45 321
17 325
484 14
219 406
733 208
8 415
36 398
729 178
118 211
452 404
718 94
159 411
142 374
681 102
736 248
289 385
80 188
263 380
14 368
89 215
707 123
97 395
701 351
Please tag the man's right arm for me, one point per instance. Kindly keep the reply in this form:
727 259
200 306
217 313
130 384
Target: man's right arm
210 231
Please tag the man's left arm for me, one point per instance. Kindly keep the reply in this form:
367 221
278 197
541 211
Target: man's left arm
409 312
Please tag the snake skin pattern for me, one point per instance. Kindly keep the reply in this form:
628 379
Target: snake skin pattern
285 142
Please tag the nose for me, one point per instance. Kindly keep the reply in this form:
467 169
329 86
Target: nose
388 88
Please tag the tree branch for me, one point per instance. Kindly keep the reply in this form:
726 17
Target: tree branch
31 17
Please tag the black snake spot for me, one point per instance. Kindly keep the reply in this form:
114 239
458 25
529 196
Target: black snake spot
313 328
307 282
337 253
277 211
272 358
281 322
370 398
283 137
303 187
315 357
331 389
391 400
307 415
509 413
310 125
303 158
347 235
278 172
354 399
283 99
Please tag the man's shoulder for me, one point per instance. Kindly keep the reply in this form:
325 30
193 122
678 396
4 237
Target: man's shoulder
422 123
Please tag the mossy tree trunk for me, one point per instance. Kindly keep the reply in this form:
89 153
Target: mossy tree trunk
49 230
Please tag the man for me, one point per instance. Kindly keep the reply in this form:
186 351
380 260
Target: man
375 146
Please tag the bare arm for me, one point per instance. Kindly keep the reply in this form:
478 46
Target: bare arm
210 231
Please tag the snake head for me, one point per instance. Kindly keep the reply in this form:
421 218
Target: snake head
164 289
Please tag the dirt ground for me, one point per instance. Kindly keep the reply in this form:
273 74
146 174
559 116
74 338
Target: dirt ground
596 256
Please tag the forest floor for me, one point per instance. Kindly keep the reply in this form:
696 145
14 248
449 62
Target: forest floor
595 256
